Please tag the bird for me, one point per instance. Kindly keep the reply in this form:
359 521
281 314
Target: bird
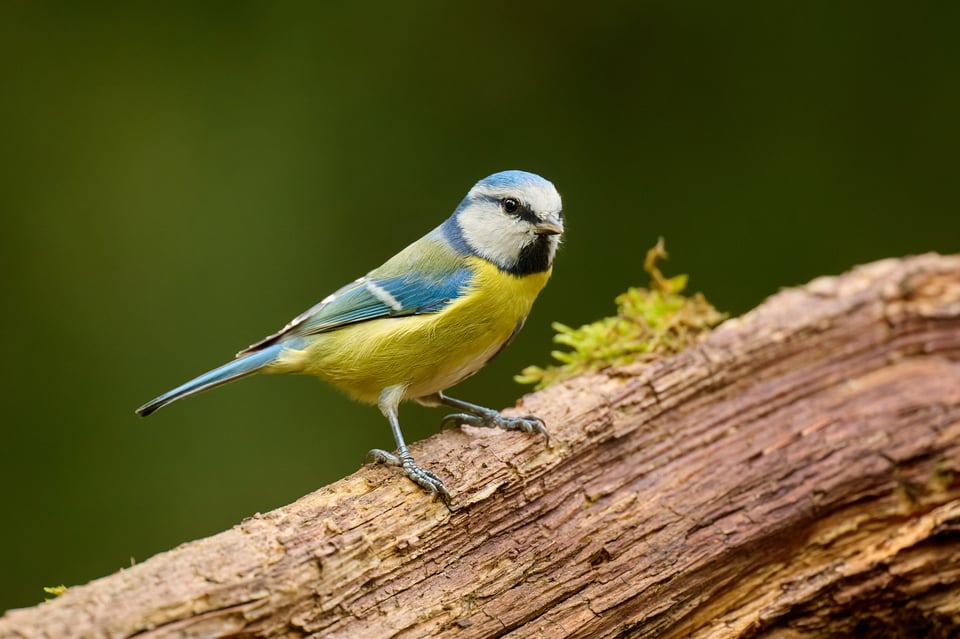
428 318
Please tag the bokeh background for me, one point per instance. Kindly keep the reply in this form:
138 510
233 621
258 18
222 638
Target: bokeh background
179 180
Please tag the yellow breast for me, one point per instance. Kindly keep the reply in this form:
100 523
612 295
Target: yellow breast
426 353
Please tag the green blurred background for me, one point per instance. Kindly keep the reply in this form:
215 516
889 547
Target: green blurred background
179 180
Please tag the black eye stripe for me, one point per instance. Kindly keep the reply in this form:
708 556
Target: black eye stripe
520 210
523 211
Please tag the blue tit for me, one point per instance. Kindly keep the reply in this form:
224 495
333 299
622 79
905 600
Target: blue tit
430 317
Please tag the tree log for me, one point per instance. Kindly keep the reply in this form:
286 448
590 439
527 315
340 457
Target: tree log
795 474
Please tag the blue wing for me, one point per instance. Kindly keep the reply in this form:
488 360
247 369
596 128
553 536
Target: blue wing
374 297
371 298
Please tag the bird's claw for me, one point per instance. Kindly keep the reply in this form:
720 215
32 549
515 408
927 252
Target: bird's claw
493 419
423 478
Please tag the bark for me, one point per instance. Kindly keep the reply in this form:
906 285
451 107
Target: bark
796 474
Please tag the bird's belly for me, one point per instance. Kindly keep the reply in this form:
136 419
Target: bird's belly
419 352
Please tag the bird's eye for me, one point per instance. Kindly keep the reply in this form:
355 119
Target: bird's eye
510 205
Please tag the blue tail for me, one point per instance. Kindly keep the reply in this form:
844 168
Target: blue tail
240 367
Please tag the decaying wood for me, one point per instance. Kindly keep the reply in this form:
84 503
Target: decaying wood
797 474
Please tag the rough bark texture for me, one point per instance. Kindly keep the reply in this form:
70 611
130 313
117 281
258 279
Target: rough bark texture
797 474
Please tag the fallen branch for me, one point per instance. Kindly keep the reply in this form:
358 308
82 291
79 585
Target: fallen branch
795 473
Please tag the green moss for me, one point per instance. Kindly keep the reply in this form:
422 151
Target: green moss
56 591
649 323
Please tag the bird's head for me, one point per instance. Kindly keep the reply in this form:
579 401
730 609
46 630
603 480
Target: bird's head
513 219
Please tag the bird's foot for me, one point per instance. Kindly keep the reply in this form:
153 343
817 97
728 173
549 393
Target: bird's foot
423 478
488 418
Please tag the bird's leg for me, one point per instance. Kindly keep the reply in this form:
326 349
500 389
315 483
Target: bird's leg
389 399
474 415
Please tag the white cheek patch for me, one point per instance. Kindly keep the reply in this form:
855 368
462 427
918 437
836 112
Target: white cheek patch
492 235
